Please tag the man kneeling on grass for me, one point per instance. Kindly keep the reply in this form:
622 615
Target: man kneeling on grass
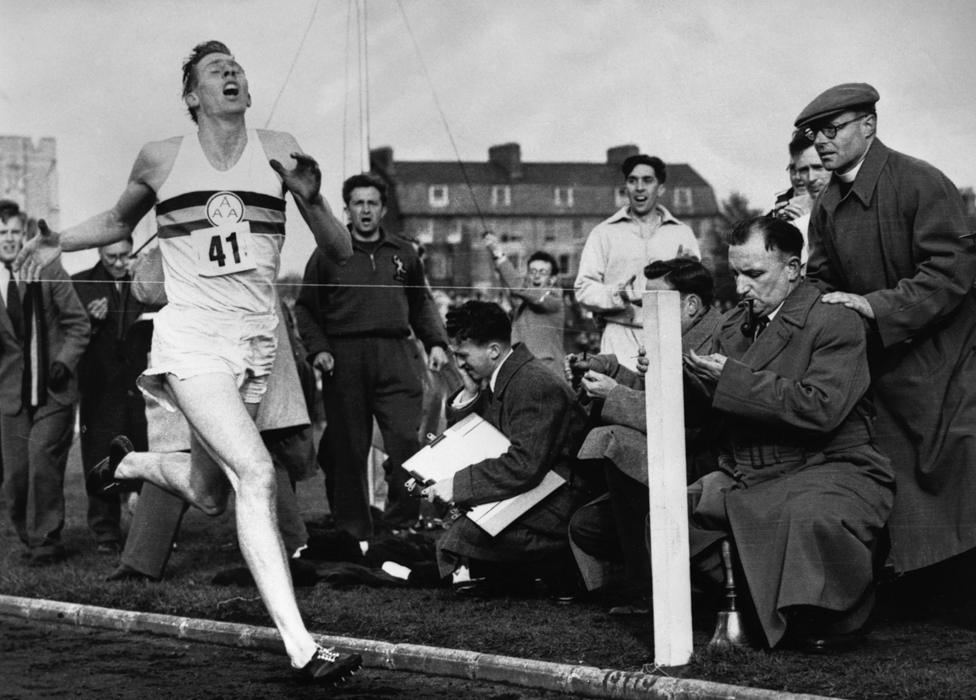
805 492
535 409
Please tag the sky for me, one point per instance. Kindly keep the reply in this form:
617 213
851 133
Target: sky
710 83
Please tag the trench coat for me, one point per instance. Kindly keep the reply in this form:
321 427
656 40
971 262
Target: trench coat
809 492
895 239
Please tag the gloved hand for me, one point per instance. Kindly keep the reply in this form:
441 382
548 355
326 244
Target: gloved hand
58 376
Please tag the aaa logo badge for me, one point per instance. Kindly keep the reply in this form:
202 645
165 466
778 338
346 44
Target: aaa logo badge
225 208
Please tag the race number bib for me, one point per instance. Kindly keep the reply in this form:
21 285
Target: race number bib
223 250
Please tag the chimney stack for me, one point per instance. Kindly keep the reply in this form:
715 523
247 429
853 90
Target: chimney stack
508 157
618 154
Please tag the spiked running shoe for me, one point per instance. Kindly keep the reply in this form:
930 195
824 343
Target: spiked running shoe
101 479
329 667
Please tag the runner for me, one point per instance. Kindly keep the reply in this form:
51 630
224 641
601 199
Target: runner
220 212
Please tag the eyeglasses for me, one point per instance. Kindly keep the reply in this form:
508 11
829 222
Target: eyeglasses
544 271
829 130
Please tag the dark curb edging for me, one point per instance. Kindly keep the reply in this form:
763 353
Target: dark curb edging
581 681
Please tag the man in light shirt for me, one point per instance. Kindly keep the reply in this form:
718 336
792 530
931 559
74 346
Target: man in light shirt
617 250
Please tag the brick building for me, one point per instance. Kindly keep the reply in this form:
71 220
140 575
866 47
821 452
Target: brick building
29 176
446 205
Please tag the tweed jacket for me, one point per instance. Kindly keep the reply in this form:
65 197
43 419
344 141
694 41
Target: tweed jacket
538 413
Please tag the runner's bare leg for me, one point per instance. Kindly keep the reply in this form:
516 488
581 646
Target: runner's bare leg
194 476
221 423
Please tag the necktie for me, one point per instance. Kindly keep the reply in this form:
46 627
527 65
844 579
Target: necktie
15 307
761 326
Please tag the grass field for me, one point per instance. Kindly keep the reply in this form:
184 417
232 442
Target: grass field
922 645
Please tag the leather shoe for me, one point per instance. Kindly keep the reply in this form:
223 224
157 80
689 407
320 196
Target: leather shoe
825 644
125 572
101 479
630 609
329 667
46 557
110 547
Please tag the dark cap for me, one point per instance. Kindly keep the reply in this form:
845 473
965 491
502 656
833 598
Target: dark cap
839 98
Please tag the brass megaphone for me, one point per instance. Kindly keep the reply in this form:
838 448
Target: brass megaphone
729 632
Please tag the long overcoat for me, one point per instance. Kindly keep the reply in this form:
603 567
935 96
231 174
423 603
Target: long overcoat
895 239
809 492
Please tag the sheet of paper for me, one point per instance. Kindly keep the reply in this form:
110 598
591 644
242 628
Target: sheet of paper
468 441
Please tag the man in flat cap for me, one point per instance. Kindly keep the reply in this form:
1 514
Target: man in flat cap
886 241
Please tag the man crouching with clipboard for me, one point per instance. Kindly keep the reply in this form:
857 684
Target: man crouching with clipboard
535 409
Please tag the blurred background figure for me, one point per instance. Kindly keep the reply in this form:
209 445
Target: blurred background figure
808 178
538 316
43 332
115 357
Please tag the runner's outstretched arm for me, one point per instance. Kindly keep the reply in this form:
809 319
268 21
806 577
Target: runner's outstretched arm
102 229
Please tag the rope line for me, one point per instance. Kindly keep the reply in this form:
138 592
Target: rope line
347 286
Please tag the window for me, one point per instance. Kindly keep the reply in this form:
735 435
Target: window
549 230
682 201
620 197
456 234
439 266
564 266
438 195
563 196
501 196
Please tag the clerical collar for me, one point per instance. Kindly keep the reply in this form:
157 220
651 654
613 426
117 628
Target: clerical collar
494 375
849 176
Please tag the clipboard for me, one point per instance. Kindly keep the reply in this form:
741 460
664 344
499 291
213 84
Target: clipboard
467 442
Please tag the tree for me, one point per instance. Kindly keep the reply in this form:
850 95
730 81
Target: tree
733 210
736 208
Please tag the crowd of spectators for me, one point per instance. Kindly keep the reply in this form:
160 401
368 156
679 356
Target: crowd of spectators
828 414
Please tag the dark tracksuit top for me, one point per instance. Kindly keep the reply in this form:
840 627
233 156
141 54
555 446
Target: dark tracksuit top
362 312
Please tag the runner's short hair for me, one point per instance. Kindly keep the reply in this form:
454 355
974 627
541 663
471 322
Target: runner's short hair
189 74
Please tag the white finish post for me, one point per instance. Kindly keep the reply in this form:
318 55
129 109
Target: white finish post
666 479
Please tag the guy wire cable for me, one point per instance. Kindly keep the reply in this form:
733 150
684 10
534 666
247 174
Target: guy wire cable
345 101
291 68
437 103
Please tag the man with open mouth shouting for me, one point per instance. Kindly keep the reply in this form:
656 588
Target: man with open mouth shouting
219 201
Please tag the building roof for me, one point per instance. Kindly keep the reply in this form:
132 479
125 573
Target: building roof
562 174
